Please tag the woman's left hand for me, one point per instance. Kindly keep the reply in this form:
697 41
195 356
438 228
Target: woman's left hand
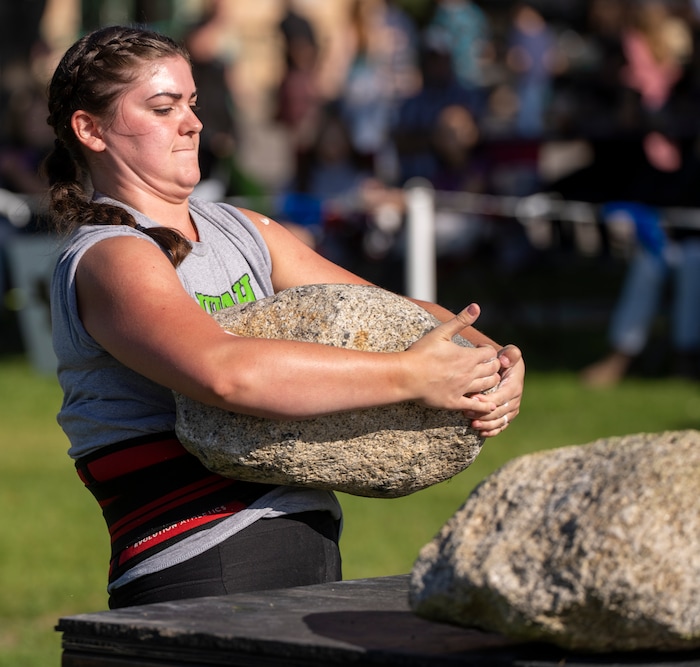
507 395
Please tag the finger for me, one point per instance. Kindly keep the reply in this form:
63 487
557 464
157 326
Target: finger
484 386
509 355
510 386
465 318
475 408
487 429
490 433
509 409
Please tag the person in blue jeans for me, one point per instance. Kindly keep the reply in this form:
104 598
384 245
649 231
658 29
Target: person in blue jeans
658 261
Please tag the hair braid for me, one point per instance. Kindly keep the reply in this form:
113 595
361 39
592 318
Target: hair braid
91 76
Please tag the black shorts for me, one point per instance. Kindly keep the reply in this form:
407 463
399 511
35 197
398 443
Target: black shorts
294 550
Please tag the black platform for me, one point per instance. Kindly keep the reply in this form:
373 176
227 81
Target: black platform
360 622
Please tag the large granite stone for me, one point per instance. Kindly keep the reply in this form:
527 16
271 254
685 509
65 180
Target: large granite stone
380 452
593 547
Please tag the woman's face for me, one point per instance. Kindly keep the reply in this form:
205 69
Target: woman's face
152 143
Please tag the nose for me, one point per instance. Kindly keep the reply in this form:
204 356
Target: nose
192 123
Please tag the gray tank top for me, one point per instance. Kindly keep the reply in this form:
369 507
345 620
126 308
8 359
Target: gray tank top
105 402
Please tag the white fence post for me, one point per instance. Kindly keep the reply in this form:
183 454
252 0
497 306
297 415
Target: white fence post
420 271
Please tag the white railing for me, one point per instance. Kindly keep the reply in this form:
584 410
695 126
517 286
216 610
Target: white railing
422 202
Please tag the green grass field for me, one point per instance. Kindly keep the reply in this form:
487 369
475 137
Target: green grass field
53 545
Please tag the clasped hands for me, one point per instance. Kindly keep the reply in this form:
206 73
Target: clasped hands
489 379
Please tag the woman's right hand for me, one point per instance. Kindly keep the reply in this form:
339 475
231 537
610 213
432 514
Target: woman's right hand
448 376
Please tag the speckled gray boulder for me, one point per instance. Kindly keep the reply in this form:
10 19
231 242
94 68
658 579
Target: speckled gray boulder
379 452
594 547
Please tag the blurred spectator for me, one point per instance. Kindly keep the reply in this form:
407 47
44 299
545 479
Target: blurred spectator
516 119
399 45
663 172
656 44
455 140
468 37
417 116
465 164
461 167
337 172
26 136
25 141
295 26
298 98
587 93
532 58
365 97
381 73
636 91
19 33
337 180
657 261
210 66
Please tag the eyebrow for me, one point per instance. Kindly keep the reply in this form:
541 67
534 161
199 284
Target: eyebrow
174 96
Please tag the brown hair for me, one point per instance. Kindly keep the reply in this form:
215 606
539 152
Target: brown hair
91 76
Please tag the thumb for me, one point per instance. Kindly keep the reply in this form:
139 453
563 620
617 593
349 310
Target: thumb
460 321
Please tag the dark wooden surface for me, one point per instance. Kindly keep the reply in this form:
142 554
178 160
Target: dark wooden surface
361 622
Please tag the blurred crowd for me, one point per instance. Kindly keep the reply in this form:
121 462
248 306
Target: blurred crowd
504 99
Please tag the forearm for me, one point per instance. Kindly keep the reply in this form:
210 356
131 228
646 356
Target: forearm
295 380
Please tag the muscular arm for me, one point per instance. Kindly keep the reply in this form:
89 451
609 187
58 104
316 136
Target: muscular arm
294 263
131 302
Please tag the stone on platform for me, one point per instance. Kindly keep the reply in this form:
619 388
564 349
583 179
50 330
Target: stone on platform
378 452
594 548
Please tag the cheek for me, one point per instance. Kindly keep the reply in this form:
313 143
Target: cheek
150 147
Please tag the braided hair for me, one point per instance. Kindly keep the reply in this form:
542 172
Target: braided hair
91 76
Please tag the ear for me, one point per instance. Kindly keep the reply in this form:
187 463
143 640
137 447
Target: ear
87 130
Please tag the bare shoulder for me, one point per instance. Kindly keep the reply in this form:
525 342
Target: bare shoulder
132 302
122 259
294 262
264 223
